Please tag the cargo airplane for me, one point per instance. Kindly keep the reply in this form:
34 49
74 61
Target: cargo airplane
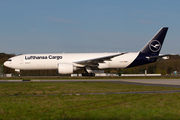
67 63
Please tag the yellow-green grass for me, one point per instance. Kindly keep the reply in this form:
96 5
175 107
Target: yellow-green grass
121 106
31 88
114 106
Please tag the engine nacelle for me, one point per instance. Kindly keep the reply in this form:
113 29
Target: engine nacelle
66 68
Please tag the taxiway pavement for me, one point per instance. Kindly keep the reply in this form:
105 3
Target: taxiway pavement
151 82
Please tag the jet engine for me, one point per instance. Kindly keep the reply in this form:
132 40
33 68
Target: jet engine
66 68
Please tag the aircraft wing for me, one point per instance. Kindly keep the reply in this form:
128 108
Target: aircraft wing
95 61
160 57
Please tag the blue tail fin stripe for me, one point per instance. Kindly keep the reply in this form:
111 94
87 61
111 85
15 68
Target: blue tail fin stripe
155 44
152 48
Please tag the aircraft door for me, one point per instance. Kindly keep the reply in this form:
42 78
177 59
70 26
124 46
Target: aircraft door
21 61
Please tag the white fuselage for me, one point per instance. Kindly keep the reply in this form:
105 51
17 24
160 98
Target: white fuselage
70 62
51 61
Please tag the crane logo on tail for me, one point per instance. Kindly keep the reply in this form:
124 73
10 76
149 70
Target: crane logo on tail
155 46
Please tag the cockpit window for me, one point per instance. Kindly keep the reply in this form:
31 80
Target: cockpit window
9 60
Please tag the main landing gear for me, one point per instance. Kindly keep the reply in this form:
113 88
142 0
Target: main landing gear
89 72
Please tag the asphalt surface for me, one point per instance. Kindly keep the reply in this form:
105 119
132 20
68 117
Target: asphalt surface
149 82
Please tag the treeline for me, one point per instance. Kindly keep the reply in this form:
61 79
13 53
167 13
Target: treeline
161 67
3 58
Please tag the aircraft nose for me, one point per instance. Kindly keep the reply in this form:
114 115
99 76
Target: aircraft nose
7 64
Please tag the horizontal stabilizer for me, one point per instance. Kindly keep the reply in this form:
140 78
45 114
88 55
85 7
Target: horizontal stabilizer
160 57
